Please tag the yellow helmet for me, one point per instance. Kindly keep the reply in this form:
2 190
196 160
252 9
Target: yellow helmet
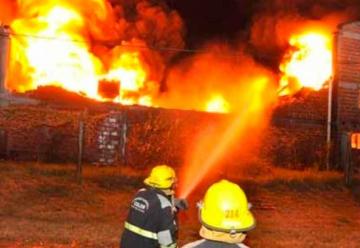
161 177
225 208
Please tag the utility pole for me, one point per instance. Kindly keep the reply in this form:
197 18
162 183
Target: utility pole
329 126
79 170
4 55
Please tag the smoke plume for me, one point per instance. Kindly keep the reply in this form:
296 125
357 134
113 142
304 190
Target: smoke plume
220 71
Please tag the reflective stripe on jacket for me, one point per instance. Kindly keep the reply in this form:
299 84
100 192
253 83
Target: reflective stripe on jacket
140 231
150 222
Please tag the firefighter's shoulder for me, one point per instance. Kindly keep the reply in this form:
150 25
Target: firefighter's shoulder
143 200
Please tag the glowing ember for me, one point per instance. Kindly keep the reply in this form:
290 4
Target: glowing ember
218 104
308 65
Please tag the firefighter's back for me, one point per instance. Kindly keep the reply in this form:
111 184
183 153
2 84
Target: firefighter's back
142 223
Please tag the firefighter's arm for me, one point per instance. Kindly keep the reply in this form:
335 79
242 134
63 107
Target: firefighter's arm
168 227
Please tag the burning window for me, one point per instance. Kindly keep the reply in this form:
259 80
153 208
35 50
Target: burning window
355 141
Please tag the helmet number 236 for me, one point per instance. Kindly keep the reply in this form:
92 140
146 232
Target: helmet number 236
229 214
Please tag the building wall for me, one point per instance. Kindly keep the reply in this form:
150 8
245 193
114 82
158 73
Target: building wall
126 135
347 88
347 63
296 137
144 136
39 133
140 136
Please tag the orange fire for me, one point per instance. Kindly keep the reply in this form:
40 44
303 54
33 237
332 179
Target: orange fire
57 43
308 64
50 46
217 104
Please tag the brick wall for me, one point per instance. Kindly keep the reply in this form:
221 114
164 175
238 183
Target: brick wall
347 88
296 137
136 136
39 133
140 136
143 136
347 63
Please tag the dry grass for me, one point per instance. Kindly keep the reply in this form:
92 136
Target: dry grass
262 172
42 205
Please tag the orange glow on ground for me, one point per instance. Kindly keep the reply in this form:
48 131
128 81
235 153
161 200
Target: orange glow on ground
307 64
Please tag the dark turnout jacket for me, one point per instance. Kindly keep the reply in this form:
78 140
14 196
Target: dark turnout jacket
204 243
150 222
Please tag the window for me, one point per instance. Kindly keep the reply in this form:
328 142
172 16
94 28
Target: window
355 141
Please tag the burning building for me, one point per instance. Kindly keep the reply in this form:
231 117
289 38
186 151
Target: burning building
103 82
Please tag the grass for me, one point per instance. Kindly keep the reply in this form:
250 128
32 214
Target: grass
43 206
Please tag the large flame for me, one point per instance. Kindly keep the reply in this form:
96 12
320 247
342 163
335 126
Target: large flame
308 64
50 46
57 43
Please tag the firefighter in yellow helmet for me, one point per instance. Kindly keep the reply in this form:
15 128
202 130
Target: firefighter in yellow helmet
225 217
151 221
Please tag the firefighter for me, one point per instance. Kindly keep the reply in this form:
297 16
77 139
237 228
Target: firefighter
225 217
151 222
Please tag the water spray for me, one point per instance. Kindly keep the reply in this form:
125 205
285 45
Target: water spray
243 122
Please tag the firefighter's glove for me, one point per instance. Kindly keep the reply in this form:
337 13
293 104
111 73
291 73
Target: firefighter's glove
181 204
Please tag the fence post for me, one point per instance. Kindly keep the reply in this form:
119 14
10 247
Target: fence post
4 57
123 138
3 144
80 146
345 159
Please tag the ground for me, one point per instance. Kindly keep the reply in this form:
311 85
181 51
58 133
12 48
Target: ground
43 206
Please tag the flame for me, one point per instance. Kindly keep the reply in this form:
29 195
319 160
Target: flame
217 104
52 43
130 71
308 64
49 46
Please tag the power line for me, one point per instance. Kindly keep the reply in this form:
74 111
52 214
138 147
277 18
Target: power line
155 48
172 49
144 47
46 37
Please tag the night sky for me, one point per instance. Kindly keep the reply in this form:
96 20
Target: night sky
228 20
217 19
